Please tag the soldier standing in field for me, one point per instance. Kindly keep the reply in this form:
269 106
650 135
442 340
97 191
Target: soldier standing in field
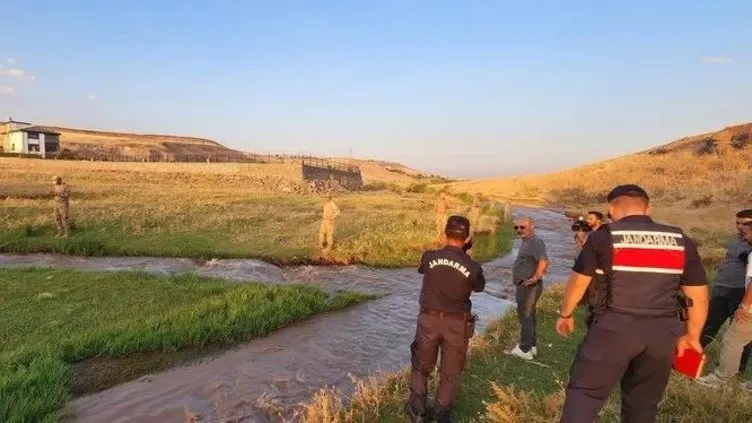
441 214
326 230
61 194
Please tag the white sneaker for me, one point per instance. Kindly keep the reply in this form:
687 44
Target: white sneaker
533 350
521 354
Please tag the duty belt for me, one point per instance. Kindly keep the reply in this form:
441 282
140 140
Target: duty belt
448 314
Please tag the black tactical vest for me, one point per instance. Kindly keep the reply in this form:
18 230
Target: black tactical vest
646 268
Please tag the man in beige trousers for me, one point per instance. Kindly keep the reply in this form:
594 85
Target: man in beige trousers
739 332
328 225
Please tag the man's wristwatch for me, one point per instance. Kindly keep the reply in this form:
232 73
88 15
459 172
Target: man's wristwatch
569 316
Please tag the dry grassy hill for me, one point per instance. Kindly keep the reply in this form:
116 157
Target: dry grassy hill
698 182
390 172
149 146
153 147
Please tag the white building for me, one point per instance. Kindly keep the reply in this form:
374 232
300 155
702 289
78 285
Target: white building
25 138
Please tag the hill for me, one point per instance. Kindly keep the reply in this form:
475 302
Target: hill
390 172
106 145
698 181
83 143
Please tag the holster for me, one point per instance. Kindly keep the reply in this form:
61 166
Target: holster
684 304
470 322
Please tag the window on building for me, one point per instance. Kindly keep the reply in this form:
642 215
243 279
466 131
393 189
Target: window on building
33 148
32 135
50 147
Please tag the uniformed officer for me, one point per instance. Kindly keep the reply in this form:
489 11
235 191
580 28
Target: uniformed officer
328 224
445 320
647 264
61 208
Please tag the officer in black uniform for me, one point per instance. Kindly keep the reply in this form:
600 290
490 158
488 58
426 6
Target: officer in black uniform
646 265
445 320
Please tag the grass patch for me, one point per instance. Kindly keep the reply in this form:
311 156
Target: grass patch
222 211
499 388
52 318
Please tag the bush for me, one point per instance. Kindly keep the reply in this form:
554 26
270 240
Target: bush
420 188
704 201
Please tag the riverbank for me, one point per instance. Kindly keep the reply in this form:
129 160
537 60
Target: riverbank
202 211
53 318
499 388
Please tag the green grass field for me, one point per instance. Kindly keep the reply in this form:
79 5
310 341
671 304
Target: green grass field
200 211
378 229
500 388
52 318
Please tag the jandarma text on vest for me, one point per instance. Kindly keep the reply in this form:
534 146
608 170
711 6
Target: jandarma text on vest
648 251
646 239
449 263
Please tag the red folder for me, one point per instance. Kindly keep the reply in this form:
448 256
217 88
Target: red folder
690 363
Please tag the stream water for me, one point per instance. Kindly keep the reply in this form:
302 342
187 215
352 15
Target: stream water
263 380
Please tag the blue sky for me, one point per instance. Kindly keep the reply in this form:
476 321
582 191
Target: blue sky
464 88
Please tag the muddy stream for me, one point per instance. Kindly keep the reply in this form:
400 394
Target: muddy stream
257 380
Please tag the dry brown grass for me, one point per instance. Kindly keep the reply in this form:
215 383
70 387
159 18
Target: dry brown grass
512 406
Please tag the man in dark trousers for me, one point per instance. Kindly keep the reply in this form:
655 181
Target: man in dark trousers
445 320
527 274
728 287
647 264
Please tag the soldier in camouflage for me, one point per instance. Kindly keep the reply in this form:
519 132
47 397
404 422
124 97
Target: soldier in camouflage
61 211
326 230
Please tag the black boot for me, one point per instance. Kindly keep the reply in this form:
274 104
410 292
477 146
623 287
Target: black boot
414 414
441 414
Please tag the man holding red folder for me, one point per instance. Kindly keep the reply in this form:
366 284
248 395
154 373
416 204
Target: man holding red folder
634 338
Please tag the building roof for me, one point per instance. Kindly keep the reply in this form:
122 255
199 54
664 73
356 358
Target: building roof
4 122
41 129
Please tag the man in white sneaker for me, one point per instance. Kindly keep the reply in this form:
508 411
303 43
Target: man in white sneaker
527 275
739 332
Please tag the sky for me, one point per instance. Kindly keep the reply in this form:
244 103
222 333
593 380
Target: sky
465 88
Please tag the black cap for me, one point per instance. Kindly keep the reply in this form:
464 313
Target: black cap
629 190
458 226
